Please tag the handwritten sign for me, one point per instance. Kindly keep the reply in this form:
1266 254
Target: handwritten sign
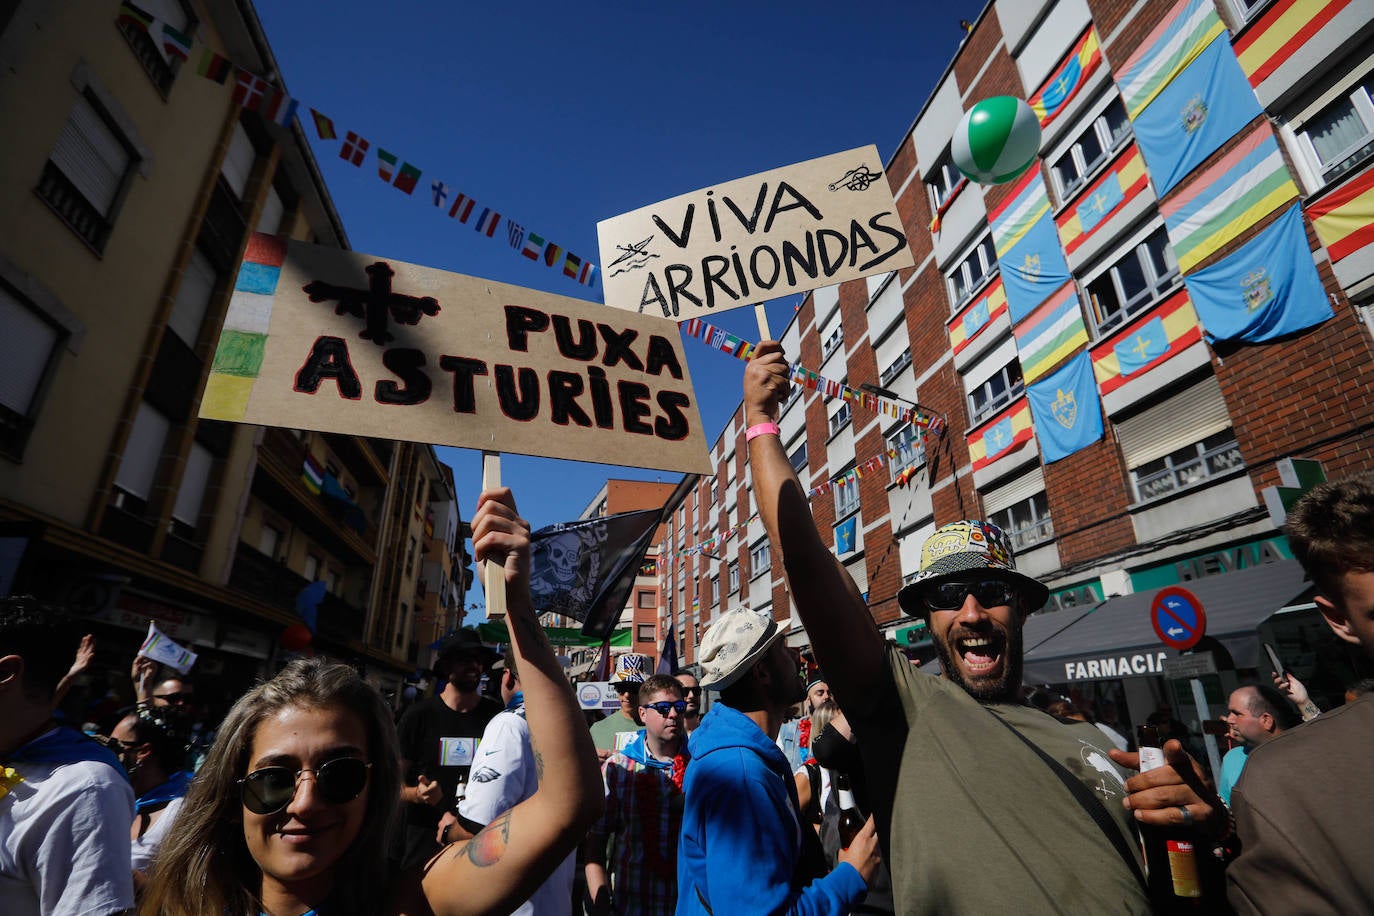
324 339
789 230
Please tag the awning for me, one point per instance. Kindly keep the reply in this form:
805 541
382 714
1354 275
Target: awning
495 633
1116 639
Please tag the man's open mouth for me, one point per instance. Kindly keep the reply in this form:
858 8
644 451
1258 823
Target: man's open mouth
980 654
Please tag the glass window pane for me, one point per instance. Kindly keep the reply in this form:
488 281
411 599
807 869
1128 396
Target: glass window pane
1336 130
1131 276
1091 145
1116 121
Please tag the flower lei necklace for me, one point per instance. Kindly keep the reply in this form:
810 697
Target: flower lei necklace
9 778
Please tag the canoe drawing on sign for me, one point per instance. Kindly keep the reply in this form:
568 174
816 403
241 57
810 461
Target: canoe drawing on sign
634 255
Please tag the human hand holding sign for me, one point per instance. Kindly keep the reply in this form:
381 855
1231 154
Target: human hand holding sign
1174 795
767 382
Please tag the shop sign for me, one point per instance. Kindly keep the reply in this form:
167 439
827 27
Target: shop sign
1111 666
1212 563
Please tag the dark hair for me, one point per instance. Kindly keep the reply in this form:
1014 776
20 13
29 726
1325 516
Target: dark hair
1360 688
661 683
1331 530
1266 699
159 732
44 636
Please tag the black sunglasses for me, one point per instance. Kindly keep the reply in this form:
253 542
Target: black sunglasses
666 706
691 691
950 596
176 698
270 789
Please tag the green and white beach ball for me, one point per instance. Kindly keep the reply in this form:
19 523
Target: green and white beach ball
997 140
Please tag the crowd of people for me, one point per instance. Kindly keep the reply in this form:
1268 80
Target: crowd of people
309 798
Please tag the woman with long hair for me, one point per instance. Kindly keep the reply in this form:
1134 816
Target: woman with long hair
291 813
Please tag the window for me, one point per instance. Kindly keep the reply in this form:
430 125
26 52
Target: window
312 567
968 275
998 391
715 491
191 494
29 349
1139 279
734 578
331 580
1027 523
793 396
1247 9
133 484
832 342
646 599
846 495
760 558
943 181
715 589
840 418
410 557
197 287
646 632
88 170
895 368
798 458
162 67
1092 147
1341 136
1189 465
910 449
268 540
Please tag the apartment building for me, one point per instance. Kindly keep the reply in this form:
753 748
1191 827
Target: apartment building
1104 258
131 186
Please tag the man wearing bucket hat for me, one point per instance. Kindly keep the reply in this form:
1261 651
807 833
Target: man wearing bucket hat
961 770
439 737
616 730
742 841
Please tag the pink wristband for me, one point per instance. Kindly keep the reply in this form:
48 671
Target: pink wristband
763 429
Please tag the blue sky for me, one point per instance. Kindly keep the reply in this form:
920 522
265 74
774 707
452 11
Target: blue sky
562 116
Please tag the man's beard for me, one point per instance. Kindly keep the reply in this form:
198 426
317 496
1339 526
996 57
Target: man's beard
1004 688
466 683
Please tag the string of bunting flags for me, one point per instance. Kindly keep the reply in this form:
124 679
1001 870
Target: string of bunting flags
725 342
254 93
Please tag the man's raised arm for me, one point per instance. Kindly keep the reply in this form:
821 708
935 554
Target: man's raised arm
846 640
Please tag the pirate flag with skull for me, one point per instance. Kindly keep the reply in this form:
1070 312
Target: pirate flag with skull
585 569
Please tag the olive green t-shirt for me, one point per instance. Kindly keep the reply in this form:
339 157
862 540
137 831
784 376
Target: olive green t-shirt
979 823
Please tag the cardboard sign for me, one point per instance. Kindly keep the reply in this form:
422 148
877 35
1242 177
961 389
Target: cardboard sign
340 341
788 230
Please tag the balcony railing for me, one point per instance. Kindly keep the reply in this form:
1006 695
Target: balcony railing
262 577
73 207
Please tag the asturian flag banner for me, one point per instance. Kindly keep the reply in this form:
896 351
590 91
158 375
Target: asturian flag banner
1233 194
1064 83
974 319
1267 288
1195 96
1067 409
1163 332
1001 435
1023 231
844 535
1103 199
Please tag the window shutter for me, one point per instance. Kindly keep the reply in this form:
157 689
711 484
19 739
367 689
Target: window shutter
272 212
238 161
193 483
1184 419
1013 492
193 298
91 155
25 347
989 364
138 465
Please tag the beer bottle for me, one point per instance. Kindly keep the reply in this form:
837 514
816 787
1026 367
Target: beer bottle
851 821
1170 854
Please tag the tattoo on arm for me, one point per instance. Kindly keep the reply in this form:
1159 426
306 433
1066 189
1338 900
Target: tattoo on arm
489 846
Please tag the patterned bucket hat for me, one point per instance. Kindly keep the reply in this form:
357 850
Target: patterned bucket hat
733 644
630 668
963 546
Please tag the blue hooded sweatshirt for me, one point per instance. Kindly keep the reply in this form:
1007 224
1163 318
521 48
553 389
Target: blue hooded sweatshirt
740 834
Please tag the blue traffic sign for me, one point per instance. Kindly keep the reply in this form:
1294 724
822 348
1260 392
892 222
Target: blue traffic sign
1178 617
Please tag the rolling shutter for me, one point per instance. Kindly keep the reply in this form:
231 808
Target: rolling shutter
25 347
1016 491
91 155
1184 419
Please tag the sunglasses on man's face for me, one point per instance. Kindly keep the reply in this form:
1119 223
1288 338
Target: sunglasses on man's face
666 706
270 789
691 691
950 596
176 699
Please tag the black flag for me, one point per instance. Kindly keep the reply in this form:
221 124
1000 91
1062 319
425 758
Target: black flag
585 569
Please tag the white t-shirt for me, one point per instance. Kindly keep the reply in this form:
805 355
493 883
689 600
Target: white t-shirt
145 847
64 841
503 775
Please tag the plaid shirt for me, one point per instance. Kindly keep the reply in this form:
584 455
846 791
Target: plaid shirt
642 821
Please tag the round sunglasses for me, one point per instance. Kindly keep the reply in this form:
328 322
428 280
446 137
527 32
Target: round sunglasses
950 596
666 706
270 789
